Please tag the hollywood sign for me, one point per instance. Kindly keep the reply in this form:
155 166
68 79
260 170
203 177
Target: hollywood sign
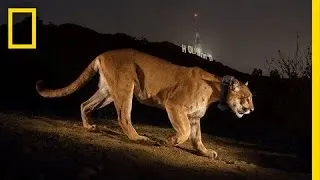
197 51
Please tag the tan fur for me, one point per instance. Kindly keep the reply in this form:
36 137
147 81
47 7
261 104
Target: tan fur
185 93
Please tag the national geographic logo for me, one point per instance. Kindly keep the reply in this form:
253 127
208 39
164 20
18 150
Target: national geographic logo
11 12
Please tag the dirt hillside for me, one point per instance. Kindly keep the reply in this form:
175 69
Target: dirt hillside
57 148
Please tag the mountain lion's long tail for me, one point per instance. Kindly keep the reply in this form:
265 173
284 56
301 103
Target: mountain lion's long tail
84 78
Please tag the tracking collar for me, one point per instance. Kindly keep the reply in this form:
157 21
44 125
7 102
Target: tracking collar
224 88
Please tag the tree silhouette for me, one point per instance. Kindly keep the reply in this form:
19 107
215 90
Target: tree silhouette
293 66
257 72
275 74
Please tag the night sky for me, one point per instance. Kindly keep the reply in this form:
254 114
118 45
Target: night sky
239 34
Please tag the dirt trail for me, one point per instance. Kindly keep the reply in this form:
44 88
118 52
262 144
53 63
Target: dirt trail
51 148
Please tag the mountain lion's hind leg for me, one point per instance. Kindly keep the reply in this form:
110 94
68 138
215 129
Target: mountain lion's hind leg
123 104
195 137
98 100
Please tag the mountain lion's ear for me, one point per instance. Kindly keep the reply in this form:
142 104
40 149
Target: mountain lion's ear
247 83
234 85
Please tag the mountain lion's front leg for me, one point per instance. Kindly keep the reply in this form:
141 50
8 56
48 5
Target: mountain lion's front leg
180 123
195 137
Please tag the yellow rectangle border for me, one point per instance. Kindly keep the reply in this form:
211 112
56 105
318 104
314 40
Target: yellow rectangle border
315 90
33 12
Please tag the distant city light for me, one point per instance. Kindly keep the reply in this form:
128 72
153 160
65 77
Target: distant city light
197 51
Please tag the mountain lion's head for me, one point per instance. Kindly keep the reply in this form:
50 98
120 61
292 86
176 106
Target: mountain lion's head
239 98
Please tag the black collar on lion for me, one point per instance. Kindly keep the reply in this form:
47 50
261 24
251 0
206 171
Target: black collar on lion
224 88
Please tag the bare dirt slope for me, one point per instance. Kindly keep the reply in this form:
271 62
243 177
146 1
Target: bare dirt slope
56 148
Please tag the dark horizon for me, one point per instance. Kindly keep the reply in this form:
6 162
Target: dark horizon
239 34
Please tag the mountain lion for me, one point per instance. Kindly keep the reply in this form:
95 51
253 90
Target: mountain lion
183 92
